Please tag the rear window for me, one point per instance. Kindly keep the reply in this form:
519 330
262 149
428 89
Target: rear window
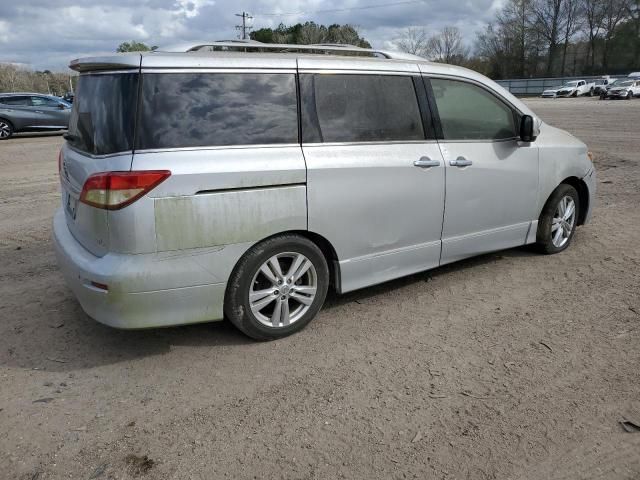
102 119
215 109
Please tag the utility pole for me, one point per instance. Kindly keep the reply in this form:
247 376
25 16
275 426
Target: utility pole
244 28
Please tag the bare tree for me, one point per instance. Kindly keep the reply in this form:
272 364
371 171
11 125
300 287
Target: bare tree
549 23
593 14
447 46
572 11
614 12
515 23
414 40
634 15
311 33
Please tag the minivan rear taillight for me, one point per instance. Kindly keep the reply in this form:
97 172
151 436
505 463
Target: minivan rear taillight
116 190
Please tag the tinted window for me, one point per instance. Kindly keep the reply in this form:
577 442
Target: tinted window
44 102
469 112
16 101
359 108
102 119
209 109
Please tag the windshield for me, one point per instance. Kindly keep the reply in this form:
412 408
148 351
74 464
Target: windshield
102 119
628 83
571 84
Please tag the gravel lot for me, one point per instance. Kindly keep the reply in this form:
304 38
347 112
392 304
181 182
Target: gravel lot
512 365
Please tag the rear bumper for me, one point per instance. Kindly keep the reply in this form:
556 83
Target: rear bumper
145 290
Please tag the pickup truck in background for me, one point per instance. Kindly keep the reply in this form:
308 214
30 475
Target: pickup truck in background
574 88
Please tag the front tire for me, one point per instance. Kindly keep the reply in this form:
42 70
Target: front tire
629 95
558 220
277 287
6 129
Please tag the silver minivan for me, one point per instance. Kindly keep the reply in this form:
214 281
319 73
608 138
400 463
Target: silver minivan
245 183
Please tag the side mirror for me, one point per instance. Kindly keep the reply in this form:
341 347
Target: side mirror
62 106
526 129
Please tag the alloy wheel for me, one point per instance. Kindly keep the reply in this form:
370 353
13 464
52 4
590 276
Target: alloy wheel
563 221
5 130
283 289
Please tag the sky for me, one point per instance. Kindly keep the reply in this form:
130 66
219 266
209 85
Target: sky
47 34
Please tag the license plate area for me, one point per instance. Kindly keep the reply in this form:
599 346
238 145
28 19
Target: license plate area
71 206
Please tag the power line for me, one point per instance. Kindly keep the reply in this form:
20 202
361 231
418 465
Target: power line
244 28
365 7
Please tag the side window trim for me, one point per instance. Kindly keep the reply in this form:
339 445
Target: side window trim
428 118
434 108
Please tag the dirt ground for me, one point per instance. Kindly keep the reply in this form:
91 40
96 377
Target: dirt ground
508 366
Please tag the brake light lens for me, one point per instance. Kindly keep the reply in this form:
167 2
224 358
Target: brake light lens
116 190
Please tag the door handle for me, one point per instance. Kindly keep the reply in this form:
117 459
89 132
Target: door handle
38 111
426 162
460 162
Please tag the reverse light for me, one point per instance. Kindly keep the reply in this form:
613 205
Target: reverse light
116 190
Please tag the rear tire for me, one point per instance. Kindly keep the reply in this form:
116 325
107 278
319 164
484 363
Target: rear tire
277 287
6 129
558 220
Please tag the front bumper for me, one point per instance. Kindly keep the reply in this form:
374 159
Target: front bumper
129 303
591 180
617 94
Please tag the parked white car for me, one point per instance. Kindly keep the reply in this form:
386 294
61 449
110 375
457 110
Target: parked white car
625 90
574 88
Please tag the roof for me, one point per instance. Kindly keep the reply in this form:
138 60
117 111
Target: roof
231 55
185 53
5 94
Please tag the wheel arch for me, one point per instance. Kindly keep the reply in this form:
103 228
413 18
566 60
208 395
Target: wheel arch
330 255
4 119
325 246
583 195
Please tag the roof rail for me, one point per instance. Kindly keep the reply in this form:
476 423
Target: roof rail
322 48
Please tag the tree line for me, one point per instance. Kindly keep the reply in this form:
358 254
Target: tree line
534 38
311 33
13 78
527 38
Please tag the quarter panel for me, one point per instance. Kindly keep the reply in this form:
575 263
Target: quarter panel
224 218
213 197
